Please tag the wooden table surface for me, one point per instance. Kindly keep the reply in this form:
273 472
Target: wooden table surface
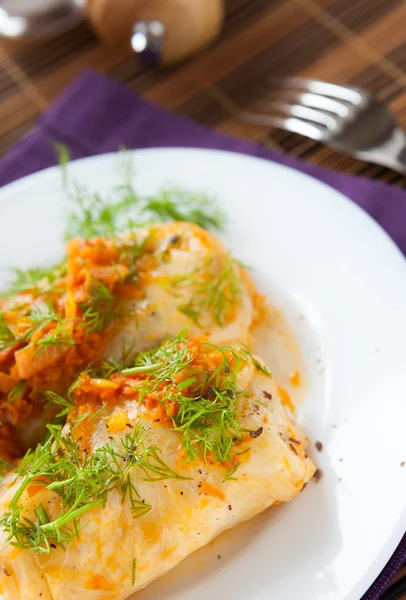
360 42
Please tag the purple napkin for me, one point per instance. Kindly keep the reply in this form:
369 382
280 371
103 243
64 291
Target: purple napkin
97 115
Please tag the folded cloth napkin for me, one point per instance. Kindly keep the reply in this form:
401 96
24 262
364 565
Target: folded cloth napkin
97 115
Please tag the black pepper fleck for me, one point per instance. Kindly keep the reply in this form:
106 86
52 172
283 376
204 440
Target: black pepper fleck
318 475
319 446
230 507
52 545
218 556
267 394
210 393
257 432
6 572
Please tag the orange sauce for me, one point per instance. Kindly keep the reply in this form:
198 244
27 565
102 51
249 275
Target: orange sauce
211 490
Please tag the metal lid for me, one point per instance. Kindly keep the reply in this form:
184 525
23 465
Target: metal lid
147 41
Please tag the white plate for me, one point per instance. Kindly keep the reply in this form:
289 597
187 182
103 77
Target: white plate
342 284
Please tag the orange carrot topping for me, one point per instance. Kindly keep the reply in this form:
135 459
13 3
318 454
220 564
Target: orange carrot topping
285 398
295 379
211 490
98 582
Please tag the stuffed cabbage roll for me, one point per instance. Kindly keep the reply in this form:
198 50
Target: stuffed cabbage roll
155 460
111 298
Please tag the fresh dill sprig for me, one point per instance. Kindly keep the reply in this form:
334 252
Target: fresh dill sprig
34 277
207 402
164 362
107 368
39 315
98 310
66 404
133 571
124 209
209 425
218 293
129 253
17 392
82 482
7 337
60 337
229 476
176 204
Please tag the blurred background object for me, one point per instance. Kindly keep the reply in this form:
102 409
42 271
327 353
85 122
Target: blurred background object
158 31
349 42
169 30
38 18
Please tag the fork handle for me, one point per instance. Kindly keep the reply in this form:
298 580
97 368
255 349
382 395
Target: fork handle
391 154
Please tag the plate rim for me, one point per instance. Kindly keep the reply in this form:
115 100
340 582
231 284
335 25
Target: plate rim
38 175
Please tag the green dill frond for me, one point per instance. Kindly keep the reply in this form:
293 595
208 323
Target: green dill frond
207 403
35 277
133 571
229 476
218 293
7 337
82 483
17 392
66 404
40 315
108 367
176 204
165 362
208 425
98 310
61 337
124 209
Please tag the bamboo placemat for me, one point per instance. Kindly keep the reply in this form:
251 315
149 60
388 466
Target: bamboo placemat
360 42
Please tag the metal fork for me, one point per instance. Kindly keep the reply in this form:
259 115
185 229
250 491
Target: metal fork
348 119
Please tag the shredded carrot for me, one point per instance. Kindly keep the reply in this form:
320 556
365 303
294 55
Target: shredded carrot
7 383
295 379
37 486
211 490
118 421
53 366
98 582
285 398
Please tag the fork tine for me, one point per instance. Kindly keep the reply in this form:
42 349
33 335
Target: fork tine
302 112
307 99
311 130
314 86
